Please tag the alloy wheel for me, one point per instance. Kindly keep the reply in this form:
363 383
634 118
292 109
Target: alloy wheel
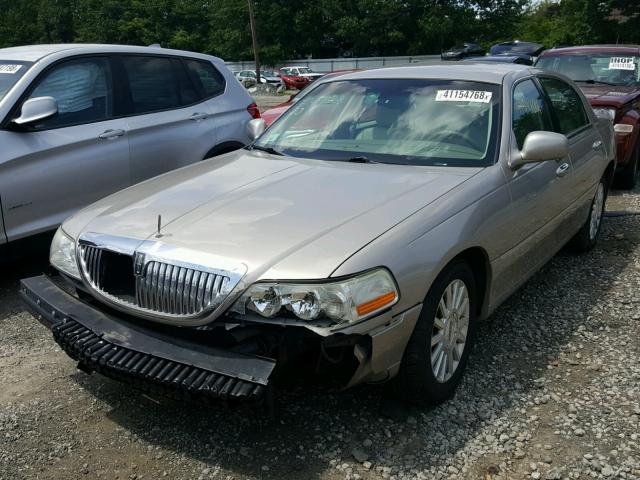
450 329
596 212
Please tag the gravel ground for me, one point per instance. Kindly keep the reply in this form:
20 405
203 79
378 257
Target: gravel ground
552 392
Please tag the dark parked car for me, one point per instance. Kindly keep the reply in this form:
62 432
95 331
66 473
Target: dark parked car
517 47
609 76
519 59
463 50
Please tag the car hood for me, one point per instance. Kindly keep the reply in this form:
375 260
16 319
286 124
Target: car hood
280 217
615 96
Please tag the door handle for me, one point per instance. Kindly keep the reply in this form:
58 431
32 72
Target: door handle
563 169
596 145
198 116
111 134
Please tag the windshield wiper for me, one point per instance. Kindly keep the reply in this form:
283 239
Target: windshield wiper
359 160
270 150
591 81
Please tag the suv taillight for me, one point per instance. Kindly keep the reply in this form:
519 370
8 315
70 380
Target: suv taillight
253 110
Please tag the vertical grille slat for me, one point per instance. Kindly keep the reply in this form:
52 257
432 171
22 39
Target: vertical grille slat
161 287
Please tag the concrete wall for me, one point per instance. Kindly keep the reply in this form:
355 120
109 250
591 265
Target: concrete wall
334 64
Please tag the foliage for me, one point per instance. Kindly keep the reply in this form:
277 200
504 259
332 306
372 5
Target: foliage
317 28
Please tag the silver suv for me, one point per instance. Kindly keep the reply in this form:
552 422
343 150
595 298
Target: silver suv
79 122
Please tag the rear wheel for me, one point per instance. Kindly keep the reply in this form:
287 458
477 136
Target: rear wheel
627 177
437 352
587 236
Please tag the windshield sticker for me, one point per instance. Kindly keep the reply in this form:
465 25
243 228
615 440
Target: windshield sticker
463 96
7 68
621 63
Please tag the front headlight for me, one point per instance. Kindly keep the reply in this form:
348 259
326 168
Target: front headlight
609 113
63 254
343 301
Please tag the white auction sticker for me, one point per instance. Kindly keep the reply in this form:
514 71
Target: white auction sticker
463 96
8 68
621 63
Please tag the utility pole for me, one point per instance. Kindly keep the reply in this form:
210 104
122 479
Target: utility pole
254 39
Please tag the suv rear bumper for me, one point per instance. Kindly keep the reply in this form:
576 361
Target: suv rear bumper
131 353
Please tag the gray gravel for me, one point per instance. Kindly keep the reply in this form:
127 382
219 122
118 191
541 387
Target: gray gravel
552 392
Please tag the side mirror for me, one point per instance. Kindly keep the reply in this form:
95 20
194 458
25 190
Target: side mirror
255 128
540 147
36 110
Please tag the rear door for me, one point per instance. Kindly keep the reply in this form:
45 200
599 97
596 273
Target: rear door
70 160
169 124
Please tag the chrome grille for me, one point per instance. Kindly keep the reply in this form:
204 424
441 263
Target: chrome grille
161 288
177 290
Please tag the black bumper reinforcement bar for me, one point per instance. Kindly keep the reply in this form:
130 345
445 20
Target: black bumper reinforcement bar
130 353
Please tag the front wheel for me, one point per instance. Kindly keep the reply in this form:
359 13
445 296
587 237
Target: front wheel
587 236
437 352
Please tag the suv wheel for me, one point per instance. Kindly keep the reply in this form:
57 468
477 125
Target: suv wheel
438 349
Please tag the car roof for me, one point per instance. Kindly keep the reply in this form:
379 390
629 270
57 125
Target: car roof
33 53
618 49
476 72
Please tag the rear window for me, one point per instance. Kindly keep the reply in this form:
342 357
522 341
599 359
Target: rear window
10 72
207 78
152 82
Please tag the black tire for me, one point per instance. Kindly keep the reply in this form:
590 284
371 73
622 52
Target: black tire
626 178
416 382
585 239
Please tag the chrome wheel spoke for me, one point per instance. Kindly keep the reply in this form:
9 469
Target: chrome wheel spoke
437 339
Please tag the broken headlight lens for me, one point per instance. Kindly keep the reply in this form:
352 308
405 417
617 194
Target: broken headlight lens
63 254
343 301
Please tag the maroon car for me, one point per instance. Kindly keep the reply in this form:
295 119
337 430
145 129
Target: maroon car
609 76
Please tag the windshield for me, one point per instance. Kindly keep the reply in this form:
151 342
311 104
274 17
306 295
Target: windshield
305 70
10 72
595 68
406 121
268 73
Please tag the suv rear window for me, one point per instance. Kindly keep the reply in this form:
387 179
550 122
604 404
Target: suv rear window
209 81
152 82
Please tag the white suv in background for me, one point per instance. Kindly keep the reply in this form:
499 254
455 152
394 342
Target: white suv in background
79 122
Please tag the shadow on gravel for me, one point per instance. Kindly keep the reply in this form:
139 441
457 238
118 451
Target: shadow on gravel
514 348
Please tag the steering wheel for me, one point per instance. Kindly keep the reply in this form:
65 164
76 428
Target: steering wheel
457 135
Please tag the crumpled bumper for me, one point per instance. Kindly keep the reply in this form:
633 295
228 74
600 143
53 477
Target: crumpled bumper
131 353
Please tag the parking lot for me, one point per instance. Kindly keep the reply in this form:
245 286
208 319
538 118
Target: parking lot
553 391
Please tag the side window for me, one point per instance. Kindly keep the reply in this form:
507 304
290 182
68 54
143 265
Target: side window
152 83
567 105
187 90
530 112
209 81
83 90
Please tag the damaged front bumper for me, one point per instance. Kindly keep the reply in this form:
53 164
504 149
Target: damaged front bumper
219 363
130 353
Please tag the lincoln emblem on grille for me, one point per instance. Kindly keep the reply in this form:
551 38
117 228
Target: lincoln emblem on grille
138 264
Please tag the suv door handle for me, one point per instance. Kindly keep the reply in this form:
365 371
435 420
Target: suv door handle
597 144
111 134
563 169
198 116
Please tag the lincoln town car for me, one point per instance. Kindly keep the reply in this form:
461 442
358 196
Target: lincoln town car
364 247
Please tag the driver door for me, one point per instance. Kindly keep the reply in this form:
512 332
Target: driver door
538 194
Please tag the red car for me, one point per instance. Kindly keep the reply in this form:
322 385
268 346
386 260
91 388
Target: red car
293 82
269 116
609 76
